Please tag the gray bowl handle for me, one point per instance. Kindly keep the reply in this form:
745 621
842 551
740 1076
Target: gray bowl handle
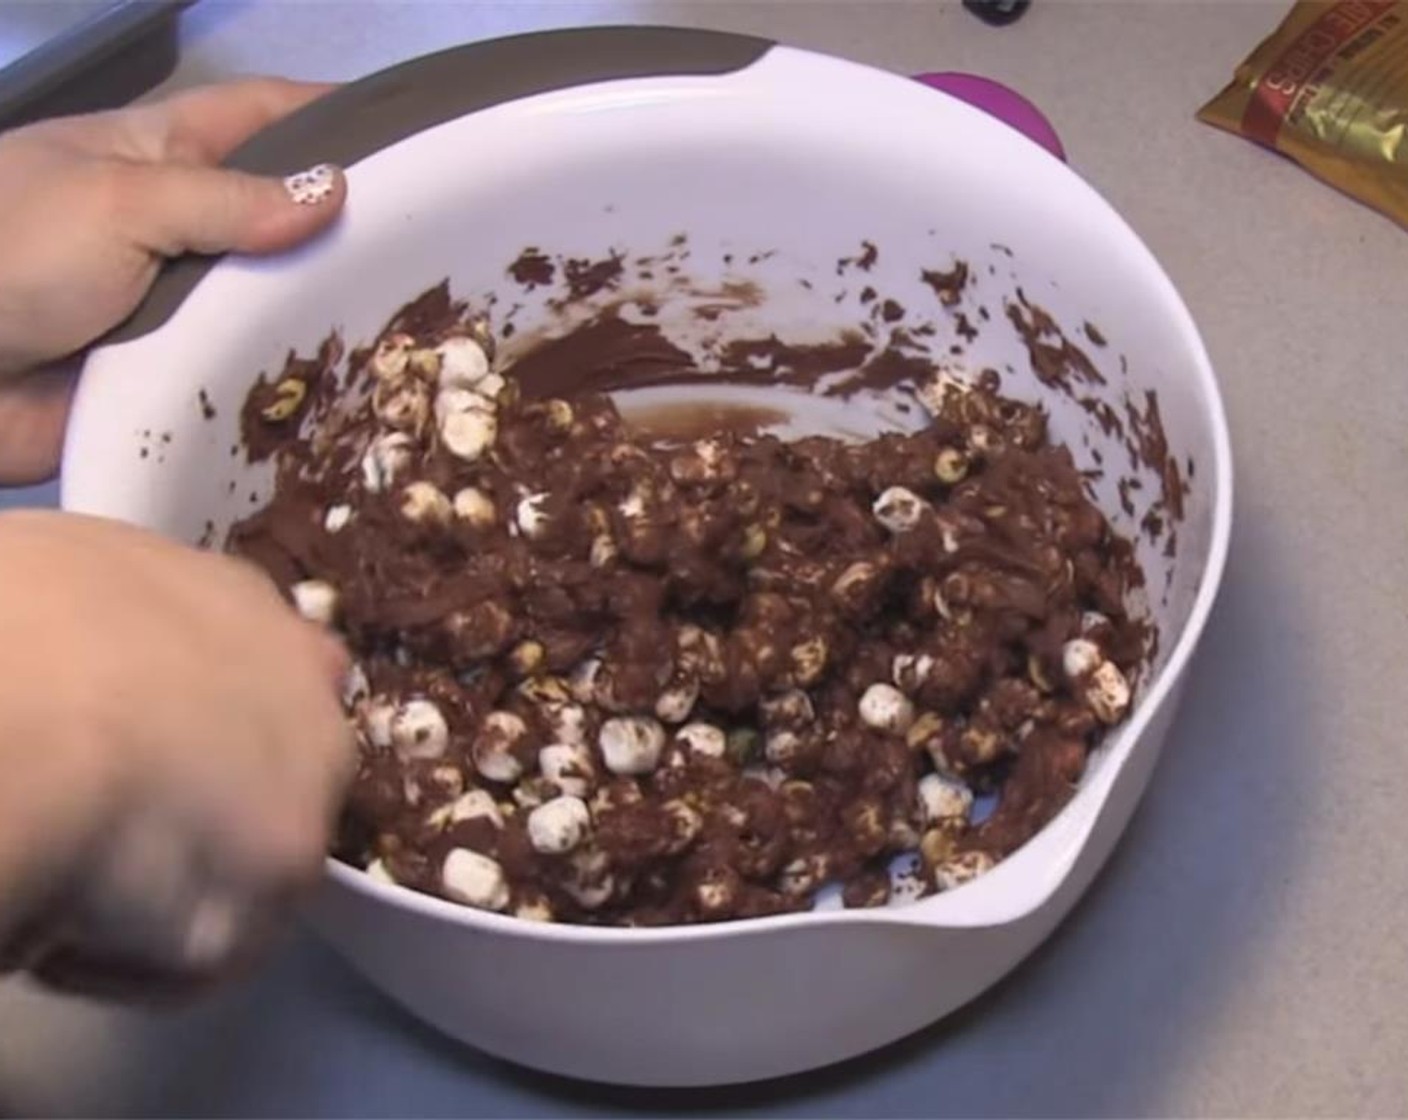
375 112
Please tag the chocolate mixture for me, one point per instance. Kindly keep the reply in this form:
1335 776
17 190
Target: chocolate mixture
612 677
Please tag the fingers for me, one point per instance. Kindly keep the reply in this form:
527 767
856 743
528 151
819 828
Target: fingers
205 125
33 414
175 208
97 976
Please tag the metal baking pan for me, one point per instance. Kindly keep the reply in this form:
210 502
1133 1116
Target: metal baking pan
57 59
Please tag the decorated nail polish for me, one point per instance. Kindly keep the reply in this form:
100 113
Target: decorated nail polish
308 188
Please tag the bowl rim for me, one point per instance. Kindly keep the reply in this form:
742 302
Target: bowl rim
949 909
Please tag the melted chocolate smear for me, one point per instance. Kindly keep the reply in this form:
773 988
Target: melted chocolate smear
1056 361
948 286
427 314
263 438
770 360
1104 415
1152 446
604 354
669 424
864 261
533 269
585 278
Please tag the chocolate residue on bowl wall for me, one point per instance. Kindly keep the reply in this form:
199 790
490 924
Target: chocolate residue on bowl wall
686 422
864 261
533 269
1057 362
948 285
274 410
883 354
614 335
604 353
585 278
1152 445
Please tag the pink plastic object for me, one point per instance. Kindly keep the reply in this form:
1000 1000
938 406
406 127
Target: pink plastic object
999 101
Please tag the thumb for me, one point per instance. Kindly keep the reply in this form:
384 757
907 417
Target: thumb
178 208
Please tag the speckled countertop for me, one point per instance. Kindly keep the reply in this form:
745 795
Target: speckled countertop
1244 953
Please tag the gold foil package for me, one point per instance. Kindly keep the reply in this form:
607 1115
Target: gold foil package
1329 89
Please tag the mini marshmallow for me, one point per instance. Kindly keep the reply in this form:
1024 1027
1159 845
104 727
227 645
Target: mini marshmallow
632 507
536 908
791 709
559 825
475 506
962 868
716 896
355 686
1108 693
315 600
376 719
493 746
449 402
490 386
631 744
337 518
568 723
377 870
899 509
530 516
603 551
809 660
470 805
943 800
568 766
467 435
404 408
674 704
462 362
781 747
703 739
802 875
425 503
590 882
1079 657
386 457
474 879
685 823
391 357
886 708
419 730
911 670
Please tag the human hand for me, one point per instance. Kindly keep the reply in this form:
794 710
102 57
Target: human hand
173 749
89 208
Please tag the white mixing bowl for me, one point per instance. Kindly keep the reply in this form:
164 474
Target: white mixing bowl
584 141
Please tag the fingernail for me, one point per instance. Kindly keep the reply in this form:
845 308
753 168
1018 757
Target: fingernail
308 188
212 932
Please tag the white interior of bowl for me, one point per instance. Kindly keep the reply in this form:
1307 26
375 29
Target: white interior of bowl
799 154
